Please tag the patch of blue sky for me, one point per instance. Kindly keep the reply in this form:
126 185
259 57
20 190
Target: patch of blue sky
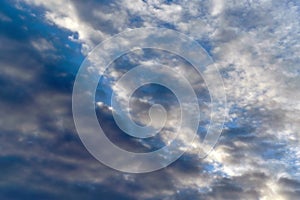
30 23
291 161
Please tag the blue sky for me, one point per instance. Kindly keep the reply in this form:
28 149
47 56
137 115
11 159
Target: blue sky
254 44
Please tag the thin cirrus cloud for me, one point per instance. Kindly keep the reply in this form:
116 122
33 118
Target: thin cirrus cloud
255 45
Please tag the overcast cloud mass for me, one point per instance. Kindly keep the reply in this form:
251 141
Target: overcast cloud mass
254 43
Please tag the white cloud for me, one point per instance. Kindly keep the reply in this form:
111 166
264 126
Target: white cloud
217 7
42 45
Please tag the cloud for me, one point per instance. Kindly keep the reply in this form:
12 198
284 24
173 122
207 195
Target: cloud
255 44
5 18
93 22
42 45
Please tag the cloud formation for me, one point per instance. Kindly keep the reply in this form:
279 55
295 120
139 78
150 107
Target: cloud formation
255 45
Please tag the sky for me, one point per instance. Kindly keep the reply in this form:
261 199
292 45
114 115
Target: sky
254 44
